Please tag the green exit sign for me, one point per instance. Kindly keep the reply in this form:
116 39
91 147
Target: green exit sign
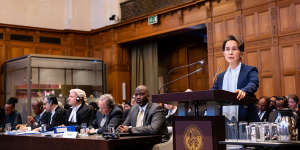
152 19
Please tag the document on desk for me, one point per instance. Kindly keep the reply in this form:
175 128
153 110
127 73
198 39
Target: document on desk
27 133
70 134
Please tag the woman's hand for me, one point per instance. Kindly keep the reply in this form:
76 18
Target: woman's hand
241 94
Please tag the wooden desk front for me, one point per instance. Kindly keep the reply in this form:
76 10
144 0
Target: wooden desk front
38 142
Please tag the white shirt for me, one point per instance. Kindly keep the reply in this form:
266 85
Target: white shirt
278 118
73 117
40 116
52 113
171 112
261 114
230 82
144 109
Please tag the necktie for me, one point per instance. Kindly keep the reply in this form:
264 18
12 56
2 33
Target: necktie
103 121
139 120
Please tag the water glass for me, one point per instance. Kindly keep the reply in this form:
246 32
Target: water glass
7 128
252 131
83 130
111 129
260 131
274 131
243 130
231 131
248 132
43 128
267 128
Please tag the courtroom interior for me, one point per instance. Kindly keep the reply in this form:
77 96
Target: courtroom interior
150 74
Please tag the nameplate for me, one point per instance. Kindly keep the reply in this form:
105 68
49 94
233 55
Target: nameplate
60 129
70 134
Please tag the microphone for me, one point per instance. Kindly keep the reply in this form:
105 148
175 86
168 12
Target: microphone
200 62
168 83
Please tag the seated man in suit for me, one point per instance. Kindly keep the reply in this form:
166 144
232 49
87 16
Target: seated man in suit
171 112
79 112
11 115
41 115
57 116
126 109
262 106
145 118
275 115
109 115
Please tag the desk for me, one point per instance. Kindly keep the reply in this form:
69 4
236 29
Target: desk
266 144
38 142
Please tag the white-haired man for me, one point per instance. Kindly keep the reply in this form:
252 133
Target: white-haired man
79 112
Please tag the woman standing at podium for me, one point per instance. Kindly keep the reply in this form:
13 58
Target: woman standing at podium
238 78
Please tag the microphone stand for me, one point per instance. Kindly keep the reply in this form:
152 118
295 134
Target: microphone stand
168 83
201 62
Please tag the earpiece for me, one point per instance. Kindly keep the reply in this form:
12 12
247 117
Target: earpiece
79 98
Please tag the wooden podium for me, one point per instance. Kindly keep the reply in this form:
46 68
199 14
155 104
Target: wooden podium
211 98
201 132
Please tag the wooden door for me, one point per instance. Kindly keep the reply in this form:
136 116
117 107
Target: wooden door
199 80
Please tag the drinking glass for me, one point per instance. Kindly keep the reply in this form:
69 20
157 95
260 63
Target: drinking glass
243 130
260 132
231 131
83 130
7 128
111 129
252 131
274 131
43 128
267 128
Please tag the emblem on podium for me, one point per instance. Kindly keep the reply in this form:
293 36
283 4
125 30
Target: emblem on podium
192 138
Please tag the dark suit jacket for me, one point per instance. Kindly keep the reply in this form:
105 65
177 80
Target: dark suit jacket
265 117
273 115
57 119
114 118
154 120
14 118
170 118
248 82
83 115
41 120
125 114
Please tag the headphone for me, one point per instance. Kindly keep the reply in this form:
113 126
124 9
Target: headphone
78 99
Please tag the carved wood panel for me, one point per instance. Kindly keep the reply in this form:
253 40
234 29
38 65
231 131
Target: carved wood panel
257 23
195 14
178 58
267 86
288 59
199 80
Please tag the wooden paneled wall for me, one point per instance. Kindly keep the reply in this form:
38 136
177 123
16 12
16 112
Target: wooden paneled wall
73 43
269 28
